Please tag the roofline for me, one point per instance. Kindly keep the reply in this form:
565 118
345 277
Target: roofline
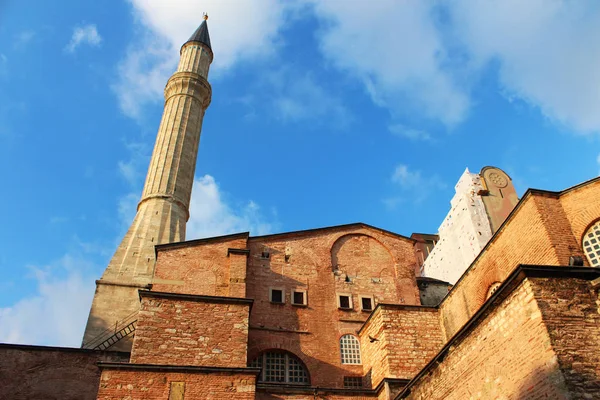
428 279
519 274
194 242
528 193
332 227
16 346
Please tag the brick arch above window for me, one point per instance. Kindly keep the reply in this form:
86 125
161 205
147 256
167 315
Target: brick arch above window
591 244
492 289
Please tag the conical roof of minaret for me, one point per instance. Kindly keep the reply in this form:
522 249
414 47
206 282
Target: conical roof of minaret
201 35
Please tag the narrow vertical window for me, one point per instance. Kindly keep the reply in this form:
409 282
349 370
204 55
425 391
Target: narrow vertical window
350 349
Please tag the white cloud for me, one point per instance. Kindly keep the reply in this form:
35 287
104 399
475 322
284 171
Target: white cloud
294 96
85 34
57 313
212 215
23 38
547 53
414 184
396 50
133 169
409 133
242 30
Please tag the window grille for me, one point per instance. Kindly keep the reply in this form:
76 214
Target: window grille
280 367
352 382
591 244
493 287
350 349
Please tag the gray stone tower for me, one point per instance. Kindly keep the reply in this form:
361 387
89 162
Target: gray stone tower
163 210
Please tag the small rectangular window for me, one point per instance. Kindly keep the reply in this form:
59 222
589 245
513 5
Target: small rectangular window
352 382
299 297
345 301
276 296
366 303
265 254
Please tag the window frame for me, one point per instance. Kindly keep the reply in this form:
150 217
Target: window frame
360 300
271 289
304 298
286 380
591 239
358 380
339 303
351 354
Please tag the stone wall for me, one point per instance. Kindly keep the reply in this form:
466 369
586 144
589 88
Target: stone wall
191 330
38 372
570 312
527 227
508 354
398 341
152 384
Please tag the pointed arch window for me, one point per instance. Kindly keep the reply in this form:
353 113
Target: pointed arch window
280 367
591 244
350 349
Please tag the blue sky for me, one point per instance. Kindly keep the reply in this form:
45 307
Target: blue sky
323 113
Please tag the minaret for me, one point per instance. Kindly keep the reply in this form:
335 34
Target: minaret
163 210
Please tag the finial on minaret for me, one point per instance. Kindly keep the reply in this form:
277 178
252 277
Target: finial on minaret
201 34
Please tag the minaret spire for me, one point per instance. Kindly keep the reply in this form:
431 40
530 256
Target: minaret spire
163 210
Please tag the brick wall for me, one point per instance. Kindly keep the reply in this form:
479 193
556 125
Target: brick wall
156 385
38 372
203 267
582 208
311 396
508 354
548 228
191 330
527 227
406 338
353 260
570 311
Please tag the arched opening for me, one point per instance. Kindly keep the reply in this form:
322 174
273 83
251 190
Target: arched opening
591 244
493 287
280 367
350 349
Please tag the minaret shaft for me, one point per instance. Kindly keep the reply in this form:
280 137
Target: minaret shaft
163 210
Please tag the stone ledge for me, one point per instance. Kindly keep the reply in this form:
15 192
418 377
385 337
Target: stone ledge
178 368
196 297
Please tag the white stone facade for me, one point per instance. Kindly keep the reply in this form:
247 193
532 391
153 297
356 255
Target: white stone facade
463 233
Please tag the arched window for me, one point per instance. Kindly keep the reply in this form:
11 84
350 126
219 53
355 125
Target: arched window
493 287
350 349
280 367
591 244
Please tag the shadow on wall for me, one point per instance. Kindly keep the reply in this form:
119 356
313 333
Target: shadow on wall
542 383
289 328
118 337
